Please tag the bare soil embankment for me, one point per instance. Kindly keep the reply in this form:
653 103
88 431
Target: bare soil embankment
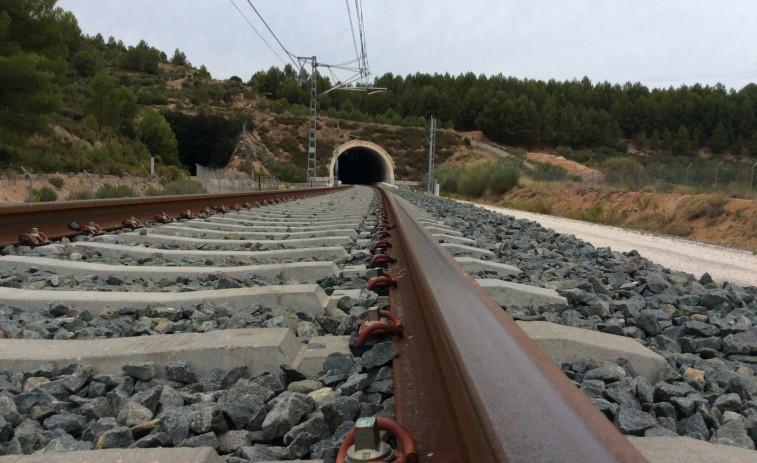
706 217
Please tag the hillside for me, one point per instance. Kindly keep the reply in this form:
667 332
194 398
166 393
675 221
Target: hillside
72 103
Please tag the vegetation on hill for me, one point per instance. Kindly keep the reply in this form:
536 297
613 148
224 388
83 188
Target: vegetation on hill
70 102
535 113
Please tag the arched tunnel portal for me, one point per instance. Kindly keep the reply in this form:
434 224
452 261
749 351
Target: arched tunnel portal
362 162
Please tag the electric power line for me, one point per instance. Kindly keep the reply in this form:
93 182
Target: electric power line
256 31
352 28
361 29
290 55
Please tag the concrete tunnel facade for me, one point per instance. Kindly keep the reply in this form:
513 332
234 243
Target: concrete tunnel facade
361 162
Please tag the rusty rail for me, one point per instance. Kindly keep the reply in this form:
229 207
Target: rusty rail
53 218
469 383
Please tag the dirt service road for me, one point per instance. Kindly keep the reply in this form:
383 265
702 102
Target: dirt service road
722 263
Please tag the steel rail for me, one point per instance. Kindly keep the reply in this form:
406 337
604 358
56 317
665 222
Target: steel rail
470 385
53 218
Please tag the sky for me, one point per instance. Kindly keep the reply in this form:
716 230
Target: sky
659 43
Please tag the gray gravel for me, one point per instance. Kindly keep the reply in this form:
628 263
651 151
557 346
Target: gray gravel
705 331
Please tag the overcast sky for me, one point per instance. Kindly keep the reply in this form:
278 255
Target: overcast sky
656 42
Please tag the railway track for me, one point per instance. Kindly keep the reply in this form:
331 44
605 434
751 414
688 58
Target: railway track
230 329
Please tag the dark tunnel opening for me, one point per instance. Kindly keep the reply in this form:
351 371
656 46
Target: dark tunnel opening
361 166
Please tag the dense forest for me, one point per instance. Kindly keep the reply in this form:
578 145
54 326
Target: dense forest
537 113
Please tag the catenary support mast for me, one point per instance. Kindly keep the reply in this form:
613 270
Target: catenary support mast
312 132
430 179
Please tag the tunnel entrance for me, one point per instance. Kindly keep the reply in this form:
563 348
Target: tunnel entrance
362 162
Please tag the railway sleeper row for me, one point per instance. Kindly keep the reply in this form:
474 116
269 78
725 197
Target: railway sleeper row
169 336
565 345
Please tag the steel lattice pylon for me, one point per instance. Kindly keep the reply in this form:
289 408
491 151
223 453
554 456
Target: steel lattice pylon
312 132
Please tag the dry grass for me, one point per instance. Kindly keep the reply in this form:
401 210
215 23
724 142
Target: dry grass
703 206
712 218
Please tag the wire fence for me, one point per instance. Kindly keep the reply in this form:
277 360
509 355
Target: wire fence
224 181
35 187
732 179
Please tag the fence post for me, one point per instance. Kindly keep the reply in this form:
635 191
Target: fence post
717 171
751 182
638 179
132 184
91 184
686 181
31 184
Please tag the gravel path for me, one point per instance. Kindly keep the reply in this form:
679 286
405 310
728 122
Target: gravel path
722 263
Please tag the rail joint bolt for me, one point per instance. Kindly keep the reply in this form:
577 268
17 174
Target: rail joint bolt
368 445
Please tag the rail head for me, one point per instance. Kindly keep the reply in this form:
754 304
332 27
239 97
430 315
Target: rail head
53 218
510 401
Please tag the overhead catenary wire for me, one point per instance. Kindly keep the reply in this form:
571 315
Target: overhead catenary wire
259 35
290 55
360 71
361 29
352 28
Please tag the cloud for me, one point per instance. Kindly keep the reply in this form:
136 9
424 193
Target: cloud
656 43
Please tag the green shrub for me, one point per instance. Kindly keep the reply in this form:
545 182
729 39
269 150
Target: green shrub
113 191
474 179
288 172
77 195
183 187
593 214
564 151
503 177
169 173
152 190
57 182
486 176
548 171
45 194
447 175
150 97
